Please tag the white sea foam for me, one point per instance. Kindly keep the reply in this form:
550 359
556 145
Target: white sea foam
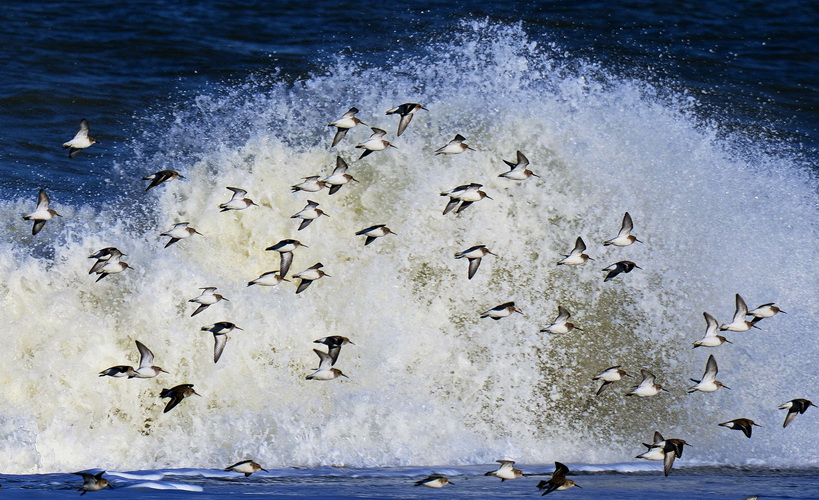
430 383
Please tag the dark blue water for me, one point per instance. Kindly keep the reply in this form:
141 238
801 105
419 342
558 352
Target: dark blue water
749 67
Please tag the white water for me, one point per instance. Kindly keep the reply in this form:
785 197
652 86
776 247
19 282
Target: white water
429 383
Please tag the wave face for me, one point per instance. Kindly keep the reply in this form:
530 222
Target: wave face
430 382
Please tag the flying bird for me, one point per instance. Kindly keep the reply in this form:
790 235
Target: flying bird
81 140
42 213
406 111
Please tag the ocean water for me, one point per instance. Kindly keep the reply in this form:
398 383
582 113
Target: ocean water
702 124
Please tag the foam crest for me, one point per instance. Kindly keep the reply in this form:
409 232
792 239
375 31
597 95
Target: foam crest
430 383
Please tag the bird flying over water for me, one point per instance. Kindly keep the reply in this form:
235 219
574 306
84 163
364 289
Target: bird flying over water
345 123
160 177
42 213
81 140
406 111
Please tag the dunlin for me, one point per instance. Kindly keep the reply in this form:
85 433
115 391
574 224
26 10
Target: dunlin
501 311
112 266
312 184
339 177
576 256
246 467
219 331
406 111
455 146
285 249
376 142
506 470
334 343
271 278
160 177
177 394
325 370
103 256
518 171
765 311
178 232
206 299
794 407
474 255
561 323
309 275
435 480
624 266
709 382
711 339
81 140
745 425
42 213
558 481
345 123
739 323
610 376
624 237
647 386
465 195
308 214
374 232
92 482
239 201
146 367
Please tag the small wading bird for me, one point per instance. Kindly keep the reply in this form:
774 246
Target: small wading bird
434 481
453 147
92 482
81 140
647 387
624 266
146 368
795 407
42 213
406 111
610 376
374 232
376 142
745 425
561 324
558 481
739 323
465 195
518 171
334 343
177 394
219 331
246 467
285 249
309 275
501 311
160 177
711 339
325 371
474 256
506 470
178 232
308 214
624 237
345 123
238 201
339 177
576 256
206 299
709 382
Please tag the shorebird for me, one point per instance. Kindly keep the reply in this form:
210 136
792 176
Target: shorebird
206 299
112 266
406 111
339 177
518 171
270 278
739 323
219 331
325 370
334 343
624 237
285 249
465 195
709 382
506 470
741 424
610 376
561 323
664 449
376 142
576 256
435 480
308 214
177 394
711 339
501 311
794 407
345 123
374 232
146 367
309 275
647 387
246 467
655 450
160 177
624 266
92 482
312 184
455 146
42 213
178 232
558 481
81 140
239 201
103 256
765 311
474 255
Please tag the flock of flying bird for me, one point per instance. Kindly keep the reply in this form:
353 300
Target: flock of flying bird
108 262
